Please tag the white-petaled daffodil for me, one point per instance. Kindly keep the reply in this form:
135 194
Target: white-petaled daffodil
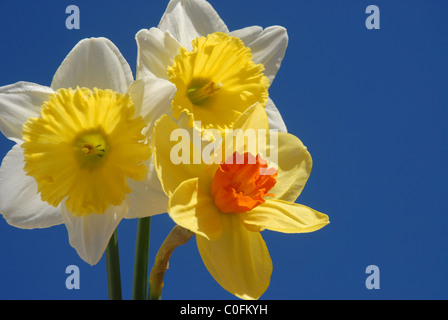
218 73
82 147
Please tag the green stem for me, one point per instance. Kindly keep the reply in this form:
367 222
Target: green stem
140 281
113 268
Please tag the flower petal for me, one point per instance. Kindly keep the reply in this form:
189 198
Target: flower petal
94 62
275 118
152 98
253 117
156 50
166 145
247 124
89 235
20 201
239 260
283 216
19 102
192 208
268 46
293 164
186 20
147 197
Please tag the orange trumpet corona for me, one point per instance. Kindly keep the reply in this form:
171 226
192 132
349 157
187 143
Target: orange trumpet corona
241 183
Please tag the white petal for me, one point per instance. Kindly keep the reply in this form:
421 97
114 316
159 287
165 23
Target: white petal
268 46
156 50
94 62
90 235
188 19
19 102
147 197
275 118
152 98
20 203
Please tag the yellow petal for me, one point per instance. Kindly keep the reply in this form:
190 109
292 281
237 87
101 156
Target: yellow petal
244 136
254 117
194 209
239 260
172 164
282 216
293 163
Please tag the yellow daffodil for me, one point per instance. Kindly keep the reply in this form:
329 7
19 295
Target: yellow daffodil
218 74
82 151
227 203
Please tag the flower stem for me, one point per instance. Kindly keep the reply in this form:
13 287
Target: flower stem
177 237
140 281
113 268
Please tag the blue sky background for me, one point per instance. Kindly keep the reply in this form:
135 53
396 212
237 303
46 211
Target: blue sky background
370 105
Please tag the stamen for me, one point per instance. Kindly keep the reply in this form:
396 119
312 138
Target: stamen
88 149
200 94
91 143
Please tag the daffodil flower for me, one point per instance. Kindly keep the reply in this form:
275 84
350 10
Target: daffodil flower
81 156
218 74
227 203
